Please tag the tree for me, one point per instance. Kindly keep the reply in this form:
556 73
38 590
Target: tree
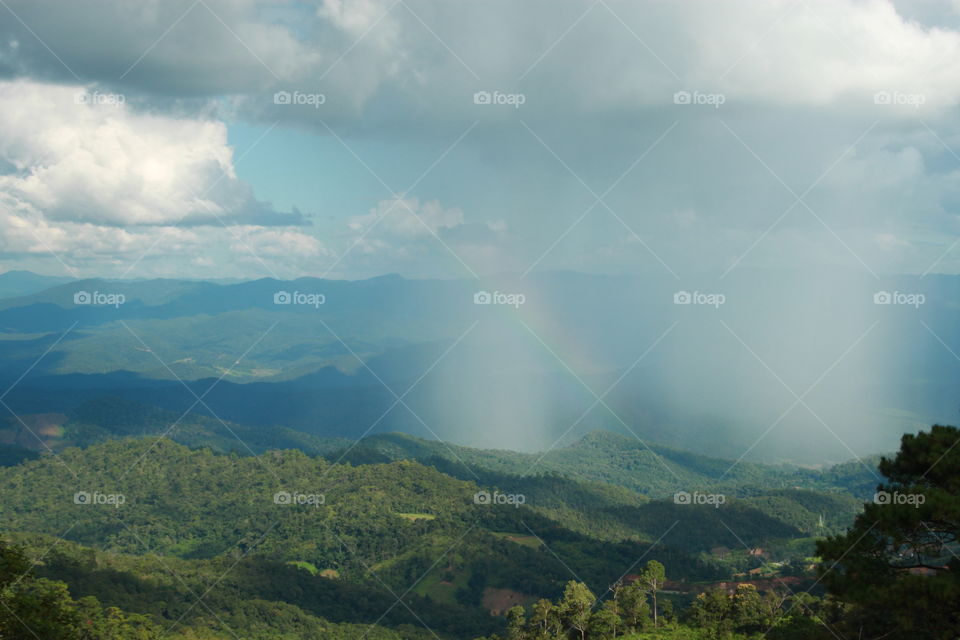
633 605
668 613
32 607
605 623
653 577
575 607
895 567
516 623
711 610
545 619
615 590
747 608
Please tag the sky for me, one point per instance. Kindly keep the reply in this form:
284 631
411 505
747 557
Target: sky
274 138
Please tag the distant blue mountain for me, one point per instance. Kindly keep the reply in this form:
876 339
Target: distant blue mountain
338 358
23 283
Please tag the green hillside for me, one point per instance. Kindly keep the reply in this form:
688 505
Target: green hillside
278 512
127 532
646 468
570 485
601 486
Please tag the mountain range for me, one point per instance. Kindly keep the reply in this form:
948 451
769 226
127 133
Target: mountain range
581 353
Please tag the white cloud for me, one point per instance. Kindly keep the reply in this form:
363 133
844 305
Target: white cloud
821 53
406 218
100 185
106 164
417 237
277 243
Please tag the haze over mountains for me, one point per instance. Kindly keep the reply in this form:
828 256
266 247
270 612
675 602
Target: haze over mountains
582 352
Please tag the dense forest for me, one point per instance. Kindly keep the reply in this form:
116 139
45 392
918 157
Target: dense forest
140 537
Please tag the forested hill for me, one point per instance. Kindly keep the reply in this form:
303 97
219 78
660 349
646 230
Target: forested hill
194 503
614 487
328 538
647 468
606 486
304 538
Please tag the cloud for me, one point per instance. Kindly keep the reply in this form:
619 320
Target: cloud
278 243
29 240
854 99
96 183
80 160
405 218
394 61
406 233
168 47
